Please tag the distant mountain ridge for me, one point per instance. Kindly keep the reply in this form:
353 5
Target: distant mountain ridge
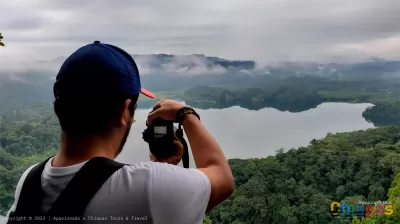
165 71
200 64
191 61
172 63
373 69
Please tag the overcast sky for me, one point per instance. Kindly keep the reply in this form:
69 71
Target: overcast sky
262 30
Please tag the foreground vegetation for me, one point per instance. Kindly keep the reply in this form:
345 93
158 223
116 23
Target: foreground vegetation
298 186
294 186
26 137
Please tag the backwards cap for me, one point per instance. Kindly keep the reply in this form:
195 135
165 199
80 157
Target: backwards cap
99 70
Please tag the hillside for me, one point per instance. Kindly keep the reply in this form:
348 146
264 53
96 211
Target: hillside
294 186
161 65
294 94
299 185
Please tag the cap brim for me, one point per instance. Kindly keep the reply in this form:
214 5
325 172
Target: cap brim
147 93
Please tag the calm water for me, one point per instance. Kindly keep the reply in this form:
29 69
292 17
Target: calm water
249 134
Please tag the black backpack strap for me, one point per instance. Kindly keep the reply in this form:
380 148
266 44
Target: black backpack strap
31 195
84 185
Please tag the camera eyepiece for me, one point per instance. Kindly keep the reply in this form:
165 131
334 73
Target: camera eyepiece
160 137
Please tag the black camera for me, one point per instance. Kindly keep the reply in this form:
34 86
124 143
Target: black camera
160 137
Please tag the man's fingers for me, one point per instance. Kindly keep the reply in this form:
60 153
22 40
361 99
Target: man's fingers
153 115
158 104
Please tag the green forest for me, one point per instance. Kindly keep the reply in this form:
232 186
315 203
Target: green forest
299 185
293 186
27 136
384 111
295 94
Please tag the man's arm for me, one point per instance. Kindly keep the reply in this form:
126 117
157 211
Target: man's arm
207 154
210 160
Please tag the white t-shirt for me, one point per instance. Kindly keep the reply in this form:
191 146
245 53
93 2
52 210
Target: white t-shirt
148 192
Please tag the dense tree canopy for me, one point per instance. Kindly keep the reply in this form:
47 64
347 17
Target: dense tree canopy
294 186
22 144
386 109
283 98
384 113
298 186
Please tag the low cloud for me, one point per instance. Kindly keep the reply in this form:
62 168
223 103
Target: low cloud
187 65
184 65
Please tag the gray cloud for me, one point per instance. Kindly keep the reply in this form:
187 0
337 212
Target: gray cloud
27 23
274 30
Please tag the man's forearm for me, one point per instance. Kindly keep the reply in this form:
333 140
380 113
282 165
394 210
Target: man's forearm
210 160
206 151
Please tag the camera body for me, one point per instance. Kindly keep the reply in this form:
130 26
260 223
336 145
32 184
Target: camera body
160 137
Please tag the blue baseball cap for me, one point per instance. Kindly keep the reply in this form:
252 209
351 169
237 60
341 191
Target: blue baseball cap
99 70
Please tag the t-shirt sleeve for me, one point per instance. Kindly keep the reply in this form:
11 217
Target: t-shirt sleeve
178 195
18 190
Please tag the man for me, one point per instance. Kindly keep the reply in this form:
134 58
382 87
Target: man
96 91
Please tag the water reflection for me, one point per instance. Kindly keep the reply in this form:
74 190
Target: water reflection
244 133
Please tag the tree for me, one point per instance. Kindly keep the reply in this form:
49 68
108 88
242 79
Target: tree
297 186
1 38
207 220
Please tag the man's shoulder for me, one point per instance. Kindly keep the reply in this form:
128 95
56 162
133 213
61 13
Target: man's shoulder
152 170
144 168
140 171
149 166
24 175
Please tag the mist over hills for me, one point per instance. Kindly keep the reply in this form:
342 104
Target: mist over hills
196 64
154 64
162 72
200 64
373 69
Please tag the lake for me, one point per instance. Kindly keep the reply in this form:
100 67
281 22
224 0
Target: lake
245 134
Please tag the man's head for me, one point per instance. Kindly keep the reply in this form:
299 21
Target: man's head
96 92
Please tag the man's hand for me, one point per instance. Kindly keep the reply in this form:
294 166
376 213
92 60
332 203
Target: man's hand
175 159
165 109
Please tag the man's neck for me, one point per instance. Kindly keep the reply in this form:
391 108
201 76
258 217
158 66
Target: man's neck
73 151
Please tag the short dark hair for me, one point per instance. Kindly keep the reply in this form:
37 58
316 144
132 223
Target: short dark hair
82 116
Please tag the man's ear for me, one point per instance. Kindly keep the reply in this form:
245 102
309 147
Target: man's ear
125 113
